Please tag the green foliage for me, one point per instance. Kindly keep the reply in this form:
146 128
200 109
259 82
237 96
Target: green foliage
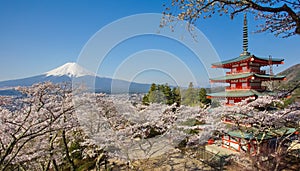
88 164
162 94
153 87
169 100
194 97
176 96
156 96
145 100
190 96
76 150
193 122
191 131
203 97
165 95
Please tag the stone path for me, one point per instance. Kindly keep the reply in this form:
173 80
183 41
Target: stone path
217 149
173 161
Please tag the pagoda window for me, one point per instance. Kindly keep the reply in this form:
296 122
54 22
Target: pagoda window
233 86
233 70
244 85
244 68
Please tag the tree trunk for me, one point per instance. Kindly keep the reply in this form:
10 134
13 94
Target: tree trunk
67 151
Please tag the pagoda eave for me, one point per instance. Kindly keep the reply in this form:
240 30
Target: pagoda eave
269 77
233 97
248 58
266 62
248 76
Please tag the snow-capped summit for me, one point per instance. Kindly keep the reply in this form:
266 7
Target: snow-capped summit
70 69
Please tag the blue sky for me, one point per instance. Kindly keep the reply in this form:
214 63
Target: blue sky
37 36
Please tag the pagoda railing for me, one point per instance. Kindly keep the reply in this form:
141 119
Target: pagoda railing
246 88
246 71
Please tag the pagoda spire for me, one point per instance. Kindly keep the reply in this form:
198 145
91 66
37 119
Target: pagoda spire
245 37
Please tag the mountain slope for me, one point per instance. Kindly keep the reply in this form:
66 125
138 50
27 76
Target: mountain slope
33 80
292 83
292 74
72 72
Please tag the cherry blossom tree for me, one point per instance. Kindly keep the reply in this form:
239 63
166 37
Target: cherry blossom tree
130 132
34 126
271 127
281 17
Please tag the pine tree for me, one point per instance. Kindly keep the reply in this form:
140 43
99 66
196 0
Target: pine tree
153 87
145 100
203 97
156 96
190 96
168 95
162 94
176 96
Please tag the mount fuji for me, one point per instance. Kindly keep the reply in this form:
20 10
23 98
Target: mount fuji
72 71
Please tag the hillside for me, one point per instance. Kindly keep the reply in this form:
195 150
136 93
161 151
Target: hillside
292 82
292 73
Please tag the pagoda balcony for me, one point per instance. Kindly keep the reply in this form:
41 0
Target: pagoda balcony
246 88
238 72
246 71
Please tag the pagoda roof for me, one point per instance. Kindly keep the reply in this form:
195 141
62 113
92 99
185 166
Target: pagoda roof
270 76
248 134
245 58
246 75
235 93
232 77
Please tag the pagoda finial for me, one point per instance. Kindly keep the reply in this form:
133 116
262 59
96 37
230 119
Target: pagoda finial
245 37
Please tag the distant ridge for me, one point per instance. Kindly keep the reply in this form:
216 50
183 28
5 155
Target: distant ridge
69 71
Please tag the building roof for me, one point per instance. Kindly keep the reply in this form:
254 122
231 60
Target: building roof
270 76
232 77
270 134
246 75
235 93
246 57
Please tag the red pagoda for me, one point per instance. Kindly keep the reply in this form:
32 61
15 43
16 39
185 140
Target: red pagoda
245 76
